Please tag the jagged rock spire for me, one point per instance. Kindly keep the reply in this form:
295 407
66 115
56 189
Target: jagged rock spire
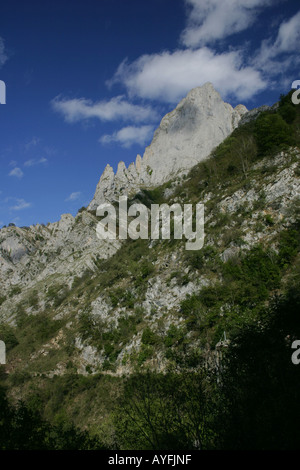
186 135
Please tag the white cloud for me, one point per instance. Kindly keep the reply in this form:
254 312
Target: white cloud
117 108
33 162
276 56
32 143
73 196
3 56
30 163
50 151
289 35
217 19
170 75
17 172
129 135
20 204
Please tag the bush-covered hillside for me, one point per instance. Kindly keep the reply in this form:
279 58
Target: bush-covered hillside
157 347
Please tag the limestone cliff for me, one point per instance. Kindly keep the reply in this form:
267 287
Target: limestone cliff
186 136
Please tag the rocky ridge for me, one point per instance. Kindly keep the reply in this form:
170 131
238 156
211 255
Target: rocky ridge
186 136
37 259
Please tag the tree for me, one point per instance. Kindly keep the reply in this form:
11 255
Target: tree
260 387
165 411
22 428
287 109
272 133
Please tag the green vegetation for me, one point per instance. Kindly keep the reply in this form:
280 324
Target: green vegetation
22 428
287 109
15 291
239 394
7 335
259 400
249 403
56 294
272 133
159 411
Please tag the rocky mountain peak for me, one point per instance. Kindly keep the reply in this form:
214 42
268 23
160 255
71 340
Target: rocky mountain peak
186 136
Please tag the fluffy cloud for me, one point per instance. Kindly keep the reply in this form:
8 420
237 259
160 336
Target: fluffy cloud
34 162
277 55
288 37
170 75
287 41
74 196
117 108
32 143
20 204
129 135
17 172
217 19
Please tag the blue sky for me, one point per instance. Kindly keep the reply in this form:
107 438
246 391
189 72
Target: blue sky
87 83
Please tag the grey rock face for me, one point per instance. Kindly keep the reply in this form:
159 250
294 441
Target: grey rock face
29 255
186 136
254 113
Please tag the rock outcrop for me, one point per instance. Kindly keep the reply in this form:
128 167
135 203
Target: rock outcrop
186 136
253 114
32 254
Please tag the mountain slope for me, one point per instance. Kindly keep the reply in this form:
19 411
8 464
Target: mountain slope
79 323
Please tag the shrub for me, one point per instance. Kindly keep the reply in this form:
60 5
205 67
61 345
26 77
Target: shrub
149 337
288 246
198 259
57 294
287 109
122 296
145 353
174 336
33 299
269 220
7 335
272 133
15 291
